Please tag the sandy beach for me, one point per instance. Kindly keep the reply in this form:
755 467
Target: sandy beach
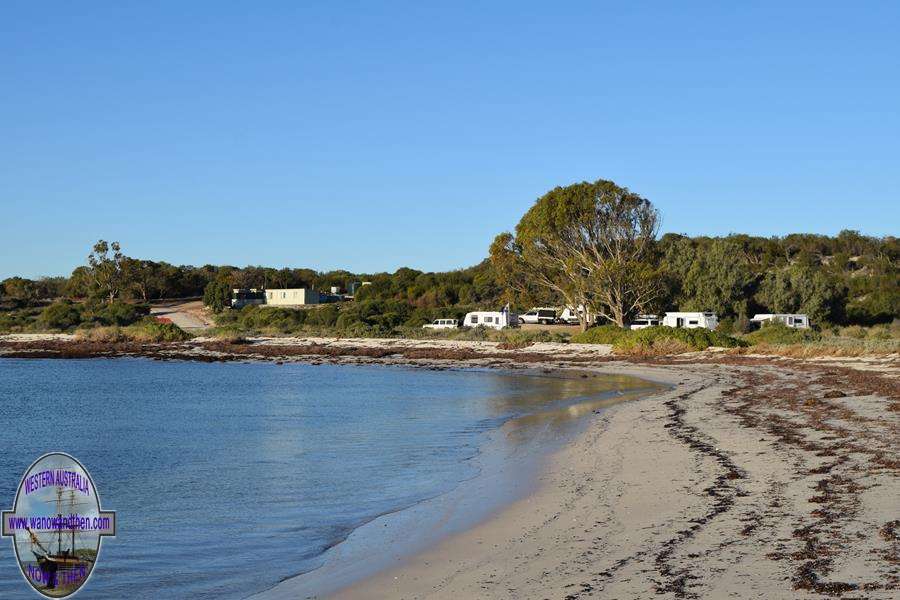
749 477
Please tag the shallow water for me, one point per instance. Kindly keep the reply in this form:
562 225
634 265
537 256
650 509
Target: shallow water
230 477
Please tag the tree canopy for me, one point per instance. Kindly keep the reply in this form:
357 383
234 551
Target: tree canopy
589 244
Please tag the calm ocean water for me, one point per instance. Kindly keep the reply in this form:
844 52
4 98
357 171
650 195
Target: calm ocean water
228 477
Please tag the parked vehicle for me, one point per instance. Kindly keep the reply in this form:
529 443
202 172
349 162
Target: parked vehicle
569 315
442 324
795 321
645 321
491 319
544 316
691 320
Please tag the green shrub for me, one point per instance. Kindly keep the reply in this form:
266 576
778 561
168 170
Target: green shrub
60 315
20 319
118 313
726 326
602 334
148 330
272 318
151 330
696 339
324 316
665 340
779 333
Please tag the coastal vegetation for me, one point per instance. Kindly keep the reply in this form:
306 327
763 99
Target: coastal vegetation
629 341
146 330
591 244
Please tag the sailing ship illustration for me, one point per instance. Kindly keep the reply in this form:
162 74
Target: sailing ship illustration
69 565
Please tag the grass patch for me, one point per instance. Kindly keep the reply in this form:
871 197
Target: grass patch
508 338
827 346
232 335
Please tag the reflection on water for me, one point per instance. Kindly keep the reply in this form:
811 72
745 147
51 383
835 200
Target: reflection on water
230 477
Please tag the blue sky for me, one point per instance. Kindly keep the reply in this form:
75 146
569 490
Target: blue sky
370 136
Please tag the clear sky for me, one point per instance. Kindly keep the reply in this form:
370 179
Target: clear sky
374 135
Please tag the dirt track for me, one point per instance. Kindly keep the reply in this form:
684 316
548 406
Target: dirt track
187 315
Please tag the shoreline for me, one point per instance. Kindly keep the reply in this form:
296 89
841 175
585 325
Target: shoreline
753 477
669 496
507 473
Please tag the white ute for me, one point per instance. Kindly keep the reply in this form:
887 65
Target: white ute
442 324
544 316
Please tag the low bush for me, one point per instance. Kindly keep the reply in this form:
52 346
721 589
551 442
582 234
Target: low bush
65 315
60 315
101 334
602 334
779 333
656 340
19 320
151 330
231 335
117 313
148 330
271 318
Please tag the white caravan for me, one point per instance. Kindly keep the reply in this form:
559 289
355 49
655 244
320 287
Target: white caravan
545 316
442 324
645 321
794 321
491 319
691 320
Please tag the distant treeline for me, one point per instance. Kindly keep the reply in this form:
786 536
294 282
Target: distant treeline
847 279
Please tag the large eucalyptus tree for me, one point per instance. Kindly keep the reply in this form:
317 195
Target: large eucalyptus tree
590 244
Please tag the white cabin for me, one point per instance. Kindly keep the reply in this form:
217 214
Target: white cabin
292 297
491 319
691 320
795 321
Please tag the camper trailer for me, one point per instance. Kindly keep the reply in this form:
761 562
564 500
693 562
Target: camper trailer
491 319
645 321
794 321
691 320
